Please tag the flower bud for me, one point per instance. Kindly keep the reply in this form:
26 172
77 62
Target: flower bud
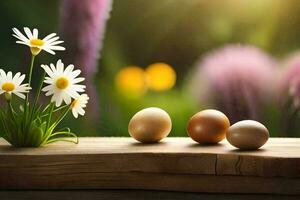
8 96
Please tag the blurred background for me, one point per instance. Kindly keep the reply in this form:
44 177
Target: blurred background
183 56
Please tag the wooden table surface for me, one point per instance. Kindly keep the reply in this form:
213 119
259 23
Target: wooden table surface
175 164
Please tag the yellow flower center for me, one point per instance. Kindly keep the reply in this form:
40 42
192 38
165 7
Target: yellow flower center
37 42
74 103
62 83
8 87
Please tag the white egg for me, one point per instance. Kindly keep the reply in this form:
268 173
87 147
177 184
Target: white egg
150 125
247 135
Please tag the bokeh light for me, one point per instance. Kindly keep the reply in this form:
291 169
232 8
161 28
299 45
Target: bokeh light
147 32
131 82
160 77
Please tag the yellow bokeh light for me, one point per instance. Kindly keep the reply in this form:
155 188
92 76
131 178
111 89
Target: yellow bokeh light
131 81
160 76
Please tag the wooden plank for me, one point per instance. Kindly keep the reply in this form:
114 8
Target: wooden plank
132 194
176 164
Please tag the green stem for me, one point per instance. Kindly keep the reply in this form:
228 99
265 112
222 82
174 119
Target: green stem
50 115
55 110
16 138
62 140
53 126
6 131
62 107
39 89
47 107
26 102
29 82
63 133
31 69
63 115
11 110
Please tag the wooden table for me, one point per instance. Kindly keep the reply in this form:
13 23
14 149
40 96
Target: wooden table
176 164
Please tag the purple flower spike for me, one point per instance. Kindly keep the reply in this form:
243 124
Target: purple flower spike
237 80
83 27
289 96
290 84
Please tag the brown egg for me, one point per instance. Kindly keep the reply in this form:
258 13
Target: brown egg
208 126
150 125
247 135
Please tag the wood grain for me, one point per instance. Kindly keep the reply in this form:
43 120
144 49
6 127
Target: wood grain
176 164
131 195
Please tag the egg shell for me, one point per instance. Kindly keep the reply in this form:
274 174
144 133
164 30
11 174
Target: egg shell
208 126
150 125
247 135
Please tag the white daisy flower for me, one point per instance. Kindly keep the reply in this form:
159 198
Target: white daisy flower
63 83
78 104
48 44
13 84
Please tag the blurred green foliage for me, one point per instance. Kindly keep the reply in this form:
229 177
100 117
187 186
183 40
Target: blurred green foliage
177 32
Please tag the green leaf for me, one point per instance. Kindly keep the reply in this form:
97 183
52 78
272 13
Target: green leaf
34 135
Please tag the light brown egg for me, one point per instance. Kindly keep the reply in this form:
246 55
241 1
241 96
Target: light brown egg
150 125
208 126
247 135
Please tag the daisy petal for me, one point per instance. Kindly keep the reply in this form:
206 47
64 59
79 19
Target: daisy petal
20 79
69 69
21 42
2 73
9 76
48 70
10 83
16 77
47 88
22 96
62 83
20 35
49 36
35 33
57 42
57 48
78 80
50 43
76 73
75 113
28 33
49 51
